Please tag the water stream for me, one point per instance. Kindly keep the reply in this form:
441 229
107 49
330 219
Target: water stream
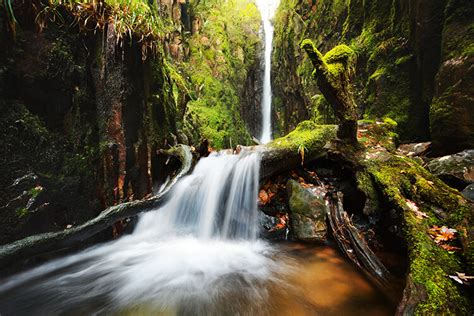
199 254
267 10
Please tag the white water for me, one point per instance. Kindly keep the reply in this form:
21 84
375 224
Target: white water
267 10
186 257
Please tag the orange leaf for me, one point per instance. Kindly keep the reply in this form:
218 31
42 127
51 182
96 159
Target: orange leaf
263 197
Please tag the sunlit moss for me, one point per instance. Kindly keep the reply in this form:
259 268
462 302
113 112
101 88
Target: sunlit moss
308 135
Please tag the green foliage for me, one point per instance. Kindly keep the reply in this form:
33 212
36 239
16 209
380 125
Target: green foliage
139 19
221 53
21 212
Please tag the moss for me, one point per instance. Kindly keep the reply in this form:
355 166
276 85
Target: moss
402 179
221 55
307 134
21 212
340 53
34 192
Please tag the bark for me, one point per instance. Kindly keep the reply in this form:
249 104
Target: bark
354 246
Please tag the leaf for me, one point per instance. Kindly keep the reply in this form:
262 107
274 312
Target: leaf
442 234
413 207
263 197
462 278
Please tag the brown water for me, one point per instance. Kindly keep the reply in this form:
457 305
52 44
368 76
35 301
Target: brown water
319 281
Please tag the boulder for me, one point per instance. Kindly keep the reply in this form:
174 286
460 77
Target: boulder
457 170
308 211
452 109
414 149
468 192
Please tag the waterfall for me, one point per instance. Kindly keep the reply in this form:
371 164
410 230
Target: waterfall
198 248
219 199
267 10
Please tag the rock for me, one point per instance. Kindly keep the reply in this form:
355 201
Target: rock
307 212
452 109
457 170
414 149
468 192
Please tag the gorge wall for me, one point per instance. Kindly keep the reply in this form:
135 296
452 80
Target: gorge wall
414 65
90 93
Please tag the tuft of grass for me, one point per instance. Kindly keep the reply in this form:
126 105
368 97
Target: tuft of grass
131 19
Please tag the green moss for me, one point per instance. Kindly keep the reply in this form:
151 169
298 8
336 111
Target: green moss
221 55
378 73
21 212
340 53
402 179
403 60
34 192
307 134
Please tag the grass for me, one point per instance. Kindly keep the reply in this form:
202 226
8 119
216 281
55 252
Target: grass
131 19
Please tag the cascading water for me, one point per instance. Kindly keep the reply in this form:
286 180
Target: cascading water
197 255
267 10
179 257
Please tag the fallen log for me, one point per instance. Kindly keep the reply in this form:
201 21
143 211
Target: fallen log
36 245
354 246
303 145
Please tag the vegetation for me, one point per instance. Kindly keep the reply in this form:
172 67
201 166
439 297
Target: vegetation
221 54
93 93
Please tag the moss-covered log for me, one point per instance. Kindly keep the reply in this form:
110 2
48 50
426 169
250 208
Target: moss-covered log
333 72
55 241
302 145
422 202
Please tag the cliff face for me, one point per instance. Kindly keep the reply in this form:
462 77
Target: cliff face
86 105
400 46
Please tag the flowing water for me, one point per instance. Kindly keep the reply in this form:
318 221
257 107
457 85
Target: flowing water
267 10
199 254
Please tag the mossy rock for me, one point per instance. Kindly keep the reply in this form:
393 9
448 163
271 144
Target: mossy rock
308 213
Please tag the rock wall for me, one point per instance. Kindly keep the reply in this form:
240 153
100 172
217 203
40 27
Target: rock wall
400 45
84 111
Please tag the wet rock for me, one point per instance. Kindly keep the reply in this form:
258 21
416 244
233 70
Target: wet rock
272 227
468 192
414 149
456 170
307 212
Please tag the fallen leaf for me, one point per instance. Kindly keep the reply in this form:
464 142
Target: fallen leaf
413 207
450 248
263 197
456 278
462 278
442 234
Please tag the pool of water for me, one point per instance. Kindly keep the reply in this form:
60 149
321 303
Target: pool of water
188 276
